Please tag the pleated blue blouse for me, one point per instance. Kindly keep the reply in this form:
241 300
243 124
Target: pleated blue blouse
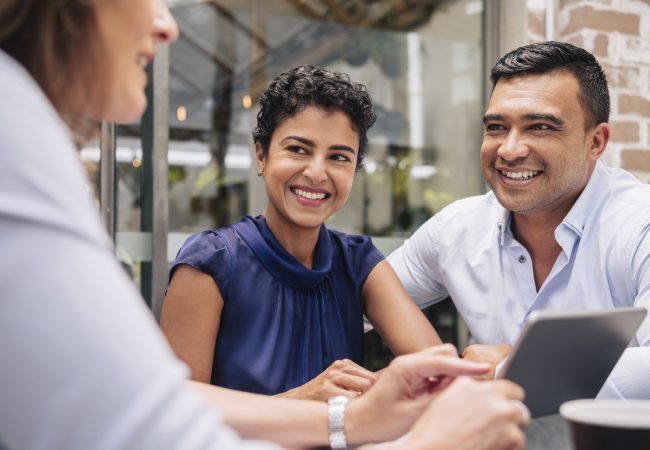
282 324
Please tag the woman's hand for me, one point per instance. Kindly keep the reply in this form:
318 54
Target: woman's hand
343 377
404 390
472 415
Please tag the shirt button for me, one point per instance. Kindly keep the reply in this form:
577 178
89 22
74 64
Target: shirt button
521 259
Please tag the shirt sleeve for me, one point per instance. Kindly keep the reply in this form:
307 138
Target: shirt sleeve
365 256
83 362
629 379
416 265
207 252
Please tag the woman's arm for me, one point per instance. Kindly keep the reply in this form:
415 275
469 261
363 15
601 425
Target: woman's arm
405 389
190 319
392 312
288 422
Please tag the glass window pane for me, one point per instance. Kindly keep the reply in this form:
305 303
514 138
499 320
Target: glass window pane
422 65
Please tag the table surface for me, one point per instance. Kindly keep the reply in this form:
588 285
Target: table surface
544 433
549 433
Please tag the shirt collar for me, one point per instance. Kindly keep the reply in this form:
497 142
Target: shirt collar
589 198
503 225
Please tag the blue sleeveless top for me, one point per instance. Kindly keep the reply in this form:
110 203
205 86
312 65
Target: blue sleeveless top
282 324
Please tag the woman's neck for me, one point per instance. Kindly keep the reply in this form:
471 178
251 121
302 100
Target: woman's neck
299 242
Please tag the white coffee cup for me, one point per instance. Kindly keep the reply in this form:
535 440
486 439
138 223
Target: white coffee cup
608 424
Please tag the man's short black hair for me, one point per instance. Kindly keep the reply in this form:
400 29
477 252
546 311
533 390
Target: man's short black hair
290 92
544 57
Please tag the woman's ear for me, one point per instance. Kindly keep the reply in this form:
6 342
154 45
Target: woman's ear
260 157
599 141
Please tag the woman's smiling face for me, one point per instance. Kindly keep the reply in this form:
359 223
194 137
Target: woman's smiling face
129 31
309 167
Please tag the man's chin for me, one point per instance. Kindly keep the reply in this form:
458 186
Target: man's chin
515 205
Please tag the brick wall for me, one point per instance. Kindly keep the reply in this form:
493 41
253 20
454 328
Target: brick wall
617 32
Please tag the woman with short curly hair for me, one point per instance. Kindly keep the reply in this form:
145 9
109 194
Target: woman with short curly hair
274 304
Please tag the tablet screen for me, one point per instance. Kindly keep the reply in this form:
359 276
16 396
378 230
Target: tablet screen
565 355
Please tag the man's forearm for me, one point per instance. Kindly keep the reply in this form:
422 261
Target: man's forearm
629 379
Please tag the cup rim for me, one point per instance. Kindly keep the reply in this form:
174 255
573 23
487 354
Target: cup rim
613 413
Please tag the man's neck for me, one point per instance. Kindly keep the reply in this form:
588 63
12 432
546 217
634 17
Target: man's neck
537 235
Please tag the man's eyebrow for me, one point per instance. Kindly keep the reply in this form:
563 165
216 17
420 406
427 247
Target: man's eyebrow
489 117
529 117
300 139
548 117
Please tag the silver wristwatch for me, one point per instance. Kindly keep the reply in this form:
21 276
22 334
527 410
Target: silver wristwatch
336 422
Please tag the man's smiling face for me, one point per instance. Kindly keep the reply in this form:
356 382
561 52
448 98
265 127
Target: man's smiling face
537 155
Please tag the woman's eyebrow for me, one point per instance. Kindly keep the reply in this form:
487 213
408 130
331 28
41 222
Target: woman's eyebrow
342 147
310 143
300 139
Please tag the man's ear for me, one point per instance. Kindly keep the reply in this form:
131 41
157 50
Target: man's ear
599 141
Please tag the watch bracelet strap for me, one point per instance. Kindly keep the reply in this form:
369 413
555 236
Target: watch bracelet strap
336 422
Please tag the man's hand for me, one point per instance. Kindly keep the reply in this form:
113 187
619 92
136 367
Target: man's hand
404 390
491 354
343 377
472 415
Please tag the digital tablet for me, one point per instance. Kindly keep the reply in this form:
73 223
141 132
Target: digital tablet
565 355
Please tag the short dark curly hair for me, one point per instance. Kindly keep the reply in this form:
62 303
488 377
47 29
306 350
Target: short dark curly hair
290 92
544 57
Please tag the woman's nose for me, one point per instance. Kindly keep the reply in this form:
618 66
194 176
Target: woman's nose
165 27
316 170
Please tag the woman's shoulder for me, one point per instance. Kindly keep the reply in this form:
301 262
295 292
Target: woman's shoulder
214 238
210 251
355 254
208 247
349 239
357 247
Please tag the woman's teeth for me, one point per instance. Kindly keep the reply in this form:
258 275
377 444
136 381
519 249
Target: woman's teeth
521 175
309 195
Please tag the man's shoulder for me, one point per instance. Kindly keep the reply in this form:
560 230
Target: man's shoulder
484 206
620 212
624 196
467 223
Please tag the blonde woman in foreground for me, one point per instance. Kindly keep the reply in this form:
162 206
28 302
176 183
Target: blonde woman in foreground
83 364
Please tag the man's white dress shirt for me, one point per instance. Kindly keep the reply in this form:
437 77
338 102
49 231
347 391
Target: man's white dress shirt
467 251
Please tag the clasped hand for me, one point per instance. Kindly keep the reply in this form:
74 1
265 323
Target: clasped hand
342 377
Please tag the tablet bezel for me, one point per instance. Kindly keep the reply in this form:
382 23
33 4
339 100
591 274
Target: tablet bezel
587 345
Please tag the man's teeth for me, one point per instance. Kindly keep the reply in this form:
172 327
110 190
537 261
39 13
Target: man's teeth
309 195
522 175
143 61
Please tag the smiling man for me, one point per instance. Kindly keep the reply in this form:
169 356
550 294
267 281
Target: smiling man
558 230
